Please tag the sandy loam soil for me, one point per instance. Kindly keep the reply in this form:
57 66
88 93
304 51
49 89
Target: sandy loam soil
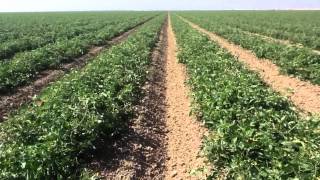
184 132
24 94
304 95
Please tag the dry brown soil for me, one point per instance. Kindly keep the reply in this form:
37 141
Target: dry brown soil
304 95
185 133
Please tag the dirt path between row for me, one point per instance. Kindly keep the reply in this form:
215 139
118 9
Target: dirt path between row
304 95
185 133
140 151
163 141
280 41
24 94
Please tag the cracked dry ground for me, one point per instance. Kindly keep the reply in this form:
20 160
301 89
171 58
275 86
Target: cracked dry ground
163 141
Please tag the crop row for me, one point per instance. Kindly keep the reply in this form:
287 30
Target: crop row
9 48
255 133
14 26
300 62
45 139
300 27
17 25
25 66
59 33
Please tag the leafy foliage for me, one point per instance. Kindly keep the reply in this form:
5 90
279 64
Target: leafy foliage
297 61
25 66
301 27
27 31
255 132
45 139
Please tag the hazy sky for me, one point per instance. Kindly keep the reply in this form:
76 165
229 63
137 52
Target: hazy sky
75 5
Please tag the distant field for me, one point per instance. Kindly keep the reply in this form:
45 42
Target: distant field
297 26
291 39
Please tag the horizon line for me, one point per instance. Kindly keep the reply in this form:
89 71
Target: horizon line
289 9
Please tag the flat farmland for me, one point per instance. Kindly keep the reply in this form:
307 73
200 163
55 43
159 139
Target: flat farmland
160 95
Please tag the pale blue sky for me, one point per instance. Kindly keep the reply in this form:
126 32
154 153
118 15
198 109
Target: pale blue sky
79 5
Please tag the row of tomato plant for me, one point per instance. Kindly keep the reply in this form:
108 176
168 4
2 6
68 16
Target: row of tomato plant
46 138
300 27
59 31
300 62
25 66
255 133
18 25
10 48
15 26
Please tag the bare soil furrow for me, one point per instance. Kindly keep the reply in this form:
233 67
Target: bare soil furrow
184 132
163 141
24 94
139 152
304 95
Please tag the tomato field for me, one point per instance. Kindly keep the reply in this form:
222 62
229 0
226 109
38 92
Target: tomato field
76 89
298 61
